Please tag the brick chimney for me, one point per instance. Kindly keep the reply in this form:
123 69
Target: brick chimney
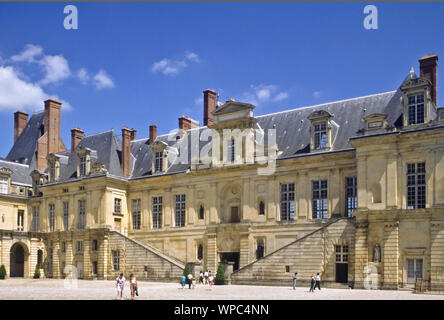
76 136
126 151
186 123
133 134
428 68
209 106
153 133
20 121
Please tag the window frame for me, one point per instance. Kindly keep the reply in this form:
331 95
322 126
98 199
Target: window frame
320 135
157 207
413 109
351 195
136 214
319 197
51 217
180 211
417 188
286 199
116 259
82 214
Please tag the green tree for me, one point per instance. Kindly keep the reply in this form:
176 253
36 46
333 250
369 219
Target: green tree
2 272
187 269
220 275
37 272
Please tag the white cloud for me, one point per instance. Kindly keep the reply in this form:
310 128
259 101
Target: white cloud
28 54
83 75
102 80
56 68
16 93
316 94
171 67
198 101
263 93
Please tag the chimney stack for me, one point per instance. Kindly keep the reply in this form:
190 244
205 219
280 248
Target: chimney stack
76 136
20 121
153 133
186 123
126 151
428 69
209 106
133 134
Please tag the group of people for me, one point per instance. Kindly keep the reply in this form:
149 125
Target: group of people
120 285
205 278
315 281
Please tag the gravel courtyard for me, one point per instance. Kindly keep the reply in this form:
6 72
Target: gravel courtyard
48 289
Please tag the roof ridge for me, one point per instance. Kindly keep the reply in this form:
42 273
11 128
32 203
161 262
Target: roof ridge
13 162
325 103
95 134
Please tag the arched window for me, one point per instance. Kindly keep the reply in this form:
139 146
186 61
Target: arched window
261 208
201 212
200 252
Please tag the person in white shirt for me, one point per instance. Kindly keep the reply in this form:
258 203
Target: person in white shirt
318 281
206 277
120 284
190 280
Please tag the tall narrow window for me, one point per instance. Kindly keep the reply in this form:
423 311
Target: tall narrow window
287 201
319 192
159 162
117 205
136 214
35 219
51 217
261 208
82 167
180 210
200 252
416 185
4 185
351 195
157 212
65 215
52 171
20 217
201 212
79 246
116 260
231 150
260 250
320 135
82 214
416 109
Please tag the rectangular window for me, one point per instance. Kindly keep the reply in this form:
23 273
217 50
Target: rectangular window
231 150
341 254
158 167
52 171
20 217
94 268
4 185
82 214
79 246
180 210
117 205
416 109
82 167
65 215
320 136
35 219
63 246
351 195
116 260
287 201
95 245
51 217
136 214
319 195
416 185
157 212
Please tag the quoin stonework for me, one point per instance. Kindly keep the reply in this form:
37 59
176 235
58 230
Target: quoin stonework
352 189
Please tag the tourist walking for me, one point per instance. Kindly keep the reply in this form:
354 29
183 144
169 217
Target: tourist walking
133 286
120 284
206 277
182 280
312 283
295 277
210 279
201 277
190 280
318 281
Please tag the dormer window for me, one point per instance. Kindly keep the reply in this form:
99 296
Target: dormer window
415 109
320 130
85 156
82 166
158 162
4 185
320 136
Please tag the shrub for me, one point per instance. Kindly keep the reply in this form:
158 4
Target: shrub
220 275
2 272
37 272
187 270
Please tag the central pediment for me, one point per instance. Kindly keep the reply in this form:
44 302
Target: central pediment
233 110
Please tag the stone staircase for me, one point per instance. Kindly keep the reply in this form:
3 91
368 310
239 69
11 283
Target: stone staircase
145 261
307 255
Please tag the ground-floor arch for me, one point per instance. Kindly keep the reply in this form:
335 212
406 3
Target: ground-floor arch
18 260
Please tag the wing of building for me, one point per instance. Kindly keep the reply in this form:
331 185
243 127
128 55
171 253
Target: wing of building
351 189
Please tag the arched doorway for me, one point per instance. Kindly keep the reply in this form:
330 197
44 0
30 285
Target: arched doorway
18 258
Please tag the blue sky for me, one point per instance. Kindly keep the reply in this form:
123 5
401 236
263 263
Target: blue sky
135 64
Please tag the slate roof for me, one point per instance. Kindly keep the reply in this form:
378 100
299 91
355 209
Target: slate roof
24 148
20 172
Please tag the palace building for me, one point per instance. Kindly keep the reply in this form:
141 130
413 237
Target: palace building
352 189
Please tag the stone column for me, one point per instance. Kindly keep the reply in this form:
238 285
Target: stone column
87 270
437 256
103 258
391 256
361 253
244 249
